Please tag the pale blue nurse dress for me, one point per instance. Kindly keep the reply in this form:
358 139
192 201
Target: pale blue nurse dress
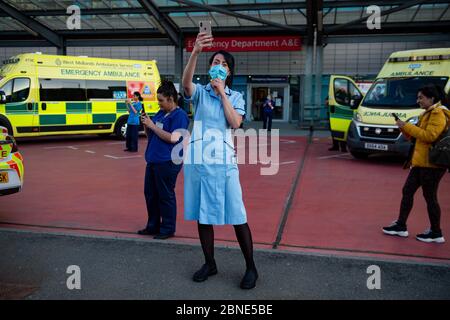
212 191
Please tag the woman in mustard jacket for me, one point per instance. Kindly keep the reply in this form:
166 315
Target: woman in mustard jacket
432 124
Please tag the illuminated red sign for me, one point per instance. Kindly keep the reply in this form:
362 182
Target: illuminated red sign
241 44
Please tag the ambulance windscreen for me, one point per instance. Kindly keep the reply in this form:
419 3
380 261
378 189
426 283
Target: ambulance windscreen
398 93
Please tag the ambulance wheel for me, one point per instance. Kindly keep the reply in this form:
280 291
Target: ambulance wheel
359 155
120 130
5 123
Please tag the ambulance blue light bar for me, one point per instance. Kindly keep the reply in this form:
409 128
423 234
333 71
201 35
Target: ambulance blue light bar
420 58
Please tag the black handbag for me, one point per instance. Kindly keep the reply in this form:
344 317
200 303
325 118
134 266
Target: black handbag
439 154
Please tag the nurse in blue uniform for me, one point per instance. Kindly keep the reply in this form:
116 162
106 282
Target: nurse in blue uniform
212 191
163 132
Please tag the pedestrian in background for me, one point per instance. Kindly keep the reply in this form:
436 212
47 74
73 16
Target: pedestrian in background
336 143
431 125
212 190
133 122
268 107
162 170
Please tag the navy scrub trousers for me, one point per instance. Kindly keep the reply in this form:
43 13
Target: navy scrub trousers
132 137
159 190
267 118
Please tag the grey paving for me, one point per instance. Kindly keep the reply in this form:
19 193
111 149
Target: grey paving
149 269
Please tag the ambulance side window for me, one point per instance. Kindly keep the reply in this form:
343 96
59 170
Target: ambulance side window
7 89
341 94
106 89
21 90
62 90
16 90
354 92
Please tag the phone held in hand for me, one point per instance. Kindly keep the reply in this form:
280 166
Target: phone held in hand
205 26
395 116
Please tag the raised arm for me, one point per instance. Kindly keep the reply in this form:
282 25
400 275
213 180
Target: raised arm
203 40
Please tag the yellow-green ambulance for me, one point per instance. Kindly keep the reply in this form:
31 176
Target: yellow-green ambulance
372 128
53 95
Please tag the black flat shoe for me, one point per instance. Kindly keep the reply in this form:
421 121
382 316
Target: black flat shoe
160 236
249 279
146 232
204 273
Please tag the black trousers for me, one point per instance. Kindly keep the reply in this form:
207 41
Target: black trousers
132 137
267 119
428 179
159 190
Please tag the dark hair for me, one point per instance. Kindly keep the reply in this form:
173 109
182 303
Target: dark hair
432 91
138 94
230 62
167 89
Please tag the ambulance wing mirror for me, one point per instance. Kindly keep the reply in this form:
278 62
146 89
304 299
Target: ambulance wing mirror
2 97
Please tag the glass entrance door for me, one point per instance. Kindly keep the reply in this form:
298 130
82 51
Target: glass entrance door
259 95
277 94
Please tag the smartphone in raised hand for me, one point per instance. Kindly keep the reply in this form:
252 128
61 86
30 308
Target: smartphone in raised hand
205 26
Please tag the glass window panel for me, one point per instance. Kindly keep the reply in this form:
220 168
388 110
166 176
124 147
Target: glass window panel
345 15
340 92
165 3
53 22
9 24
329 18
103 89
7 89
403 15
21 89
430 12
62 90
96 23
139 21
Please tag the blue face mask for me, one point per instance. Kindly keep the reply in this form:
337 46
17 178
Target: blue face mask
218 71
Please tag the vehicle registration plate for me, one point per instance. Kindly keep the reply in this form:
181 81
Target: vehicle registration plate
4 177
376 146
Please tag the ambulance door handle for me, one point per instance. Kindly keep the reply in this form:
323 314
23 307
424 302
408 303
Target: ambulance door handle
44 106
30 106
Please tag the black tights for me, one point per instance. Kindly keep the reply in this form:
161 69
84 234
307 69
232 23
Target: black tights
243 235
428 179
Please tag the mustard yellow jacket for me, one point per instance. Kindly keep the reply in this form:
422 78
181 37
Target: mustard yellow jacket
432 124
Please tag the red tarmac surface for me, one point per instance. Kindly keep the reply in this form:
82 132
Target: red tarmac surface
87 185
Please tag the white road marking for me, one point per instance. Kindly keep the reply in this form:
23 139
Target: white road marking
89 151
280 164
343 155
110 143
286 162
118 158
67 147
61 147
287 141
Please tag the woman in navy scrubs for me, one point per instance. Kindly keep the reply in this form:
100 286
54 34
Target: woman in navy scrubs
268 106
162 171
